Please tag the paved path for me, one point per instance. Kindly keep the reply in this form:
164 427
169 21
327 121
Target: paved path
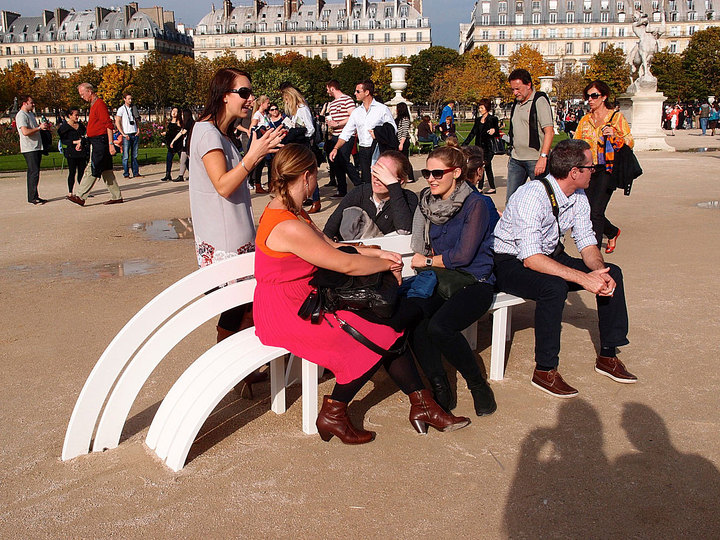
620 461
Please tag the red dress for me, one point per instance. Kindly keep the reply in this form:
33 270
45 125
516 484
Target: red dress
282 286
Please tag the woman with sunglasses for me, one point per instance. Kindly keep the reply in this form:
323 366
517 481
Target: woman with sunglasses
289 250
606 131
452 229
219 196
259 123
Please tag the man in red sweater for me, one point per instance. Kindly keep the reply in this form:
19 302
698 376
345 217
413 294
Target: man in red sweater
99 133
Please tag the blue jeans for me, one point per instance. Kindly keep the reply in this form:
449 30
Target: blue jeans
518 172
703 125
432 138
130 144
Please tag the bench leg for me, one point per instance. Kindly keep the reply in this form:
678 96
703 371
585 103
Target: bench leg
277 385
309 396
508 324
499 336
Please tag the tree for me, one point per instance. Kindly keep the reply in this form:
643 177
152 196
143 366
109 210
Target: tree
116 79
610 67
424 67
478 77
569 84
150 82
701 63
228 59
668 69
316 71
203 73
529 58
20 79
86 74
52 92
181 81
351 71
268 82
6 93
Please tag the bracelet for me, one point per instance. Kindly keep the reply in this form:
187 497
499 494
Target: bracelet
242 164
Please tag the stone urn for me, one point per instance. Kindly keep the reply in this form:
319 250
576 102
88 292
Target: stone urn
398 83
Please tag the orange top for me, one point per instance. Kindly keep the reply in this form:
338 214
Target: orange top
269 219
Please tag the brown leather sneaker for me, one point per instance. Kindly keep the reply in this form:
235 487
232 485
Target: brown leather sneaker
552 383
615 369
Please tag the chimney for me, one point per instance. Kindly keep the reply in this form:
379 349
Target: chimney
320 6
348 7
227 9
7 18
291 6
130 10
100 14
47 16
59 16
417 4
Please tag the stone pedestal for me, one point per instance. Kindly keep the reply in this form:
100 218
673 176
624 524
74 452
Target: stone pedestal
398 84
642 107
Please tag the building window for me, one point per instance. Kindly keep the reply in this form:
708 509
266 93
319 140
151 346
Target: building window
48 49
502 19
262 41
386 52
621 32
552 18
621 17
35 49
49 62
248 55
501 34
673 46
132 46
232 42
604 16
117 46
621 6
485 34
339 54
536 5
89 47
76 61
603 46
103 60
570 32
340 38
518 6
403 36
248 42
518 34
518 18
308 40
36 63
570 17
371 38
691 30
587 32
117 59
587 17
501 49
277 40
293 40
132 59
586 47
502 7
536 18
485 20
552 48
419 36
536 33
387 38
91 60
570 5
323 40
569 47
309 25
604 31
356 52
552 33
323 25
323 54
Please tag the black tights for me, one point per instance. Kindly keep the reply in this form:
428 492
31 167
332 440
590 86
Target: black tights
401 369
76 169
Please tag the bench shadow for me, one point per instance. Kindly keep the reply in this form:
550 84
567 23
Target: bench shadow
566 486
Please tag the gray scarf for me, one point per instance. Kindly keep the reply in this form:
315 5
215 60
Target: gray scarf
432 209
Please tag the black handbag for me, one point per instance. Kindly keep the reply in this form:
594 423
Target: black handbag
497 145
450 281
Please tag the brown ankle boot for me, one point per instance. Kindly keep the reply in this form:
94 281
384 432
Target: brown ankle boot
333 420
424 410
255 377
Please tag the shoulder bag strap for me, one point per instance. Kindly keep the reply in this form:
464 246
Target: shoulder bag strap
556 212
374 347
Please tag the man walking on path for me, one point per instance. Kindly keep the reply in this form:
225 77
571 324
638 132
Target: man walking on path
530 261
102 149
31 146
126 120
337 117
369 115
531 131
704 116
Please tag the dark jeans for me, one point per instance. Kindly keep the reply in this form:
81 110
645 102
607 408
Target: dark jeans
488 172
257 172
550 293
76 169
440 332
33 173
406 151
364 157
168 162
342 168
598 194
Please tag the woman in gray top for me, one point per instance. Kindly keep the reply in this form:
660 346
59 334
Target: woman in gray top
219 196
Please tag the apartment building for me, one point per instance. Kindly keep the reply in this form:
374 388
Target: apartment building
382 29
64 41
568 32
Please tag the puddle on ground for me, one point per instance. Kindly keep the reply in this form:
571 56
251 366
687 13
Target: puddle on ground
166 229
696 150
712 205
83 271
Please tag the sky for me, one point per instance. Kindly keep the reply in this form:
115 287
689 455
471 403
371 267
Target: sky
445 15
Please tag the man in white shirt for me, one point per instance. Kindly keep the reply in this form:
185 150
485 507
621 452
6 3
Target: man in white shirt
30 146
126 120
362 121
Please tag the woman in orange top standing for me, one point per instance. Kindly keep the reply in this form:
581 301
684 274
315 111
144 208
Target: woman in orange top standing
605 130
289 249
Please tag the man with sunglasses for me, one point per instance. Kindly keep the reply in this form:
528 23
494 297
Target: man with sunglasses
369 115
338 114
530 262
531 131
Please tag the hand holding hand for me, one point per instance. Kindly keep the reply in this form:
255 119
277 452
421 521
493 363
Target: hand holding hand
595 282
382 173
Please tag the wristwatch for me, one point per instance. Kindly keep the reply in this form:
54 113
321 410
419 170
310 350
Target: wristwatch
543 155
428 261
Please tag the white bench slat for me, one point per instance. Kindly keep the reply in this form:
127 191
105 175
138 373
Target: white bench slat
141 366
113 360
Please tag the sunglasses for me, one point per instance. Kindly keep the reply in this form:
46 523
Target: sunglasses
243 92
273 108
593 168
359 91
594 95
437 174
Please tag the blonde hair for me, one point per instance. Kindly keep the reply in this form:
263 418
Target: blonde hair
291 162
292 99
259 101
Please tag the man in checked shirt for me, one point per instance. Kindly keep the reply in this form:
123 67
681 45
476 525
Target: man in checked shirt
530 262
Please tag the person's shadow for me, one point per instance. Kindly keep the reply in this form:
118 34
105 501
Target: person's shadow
565 487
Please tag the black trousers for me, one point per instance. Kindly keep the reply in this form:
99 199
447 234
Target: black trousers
33 173
364 157
598 194
439 333
550 293
406 151
488 170
342 169
76 169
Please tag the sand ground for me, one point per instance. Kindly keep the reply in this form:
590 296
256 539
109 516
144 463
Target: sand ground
619 461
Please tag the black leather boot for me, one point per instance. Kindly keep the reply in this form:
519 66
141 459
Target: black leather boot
483 397
442 392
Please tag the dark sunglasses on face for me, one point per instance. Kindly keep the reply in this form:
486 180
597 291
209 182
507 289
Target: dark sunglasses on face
273 108
437 174
243 92
594 95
